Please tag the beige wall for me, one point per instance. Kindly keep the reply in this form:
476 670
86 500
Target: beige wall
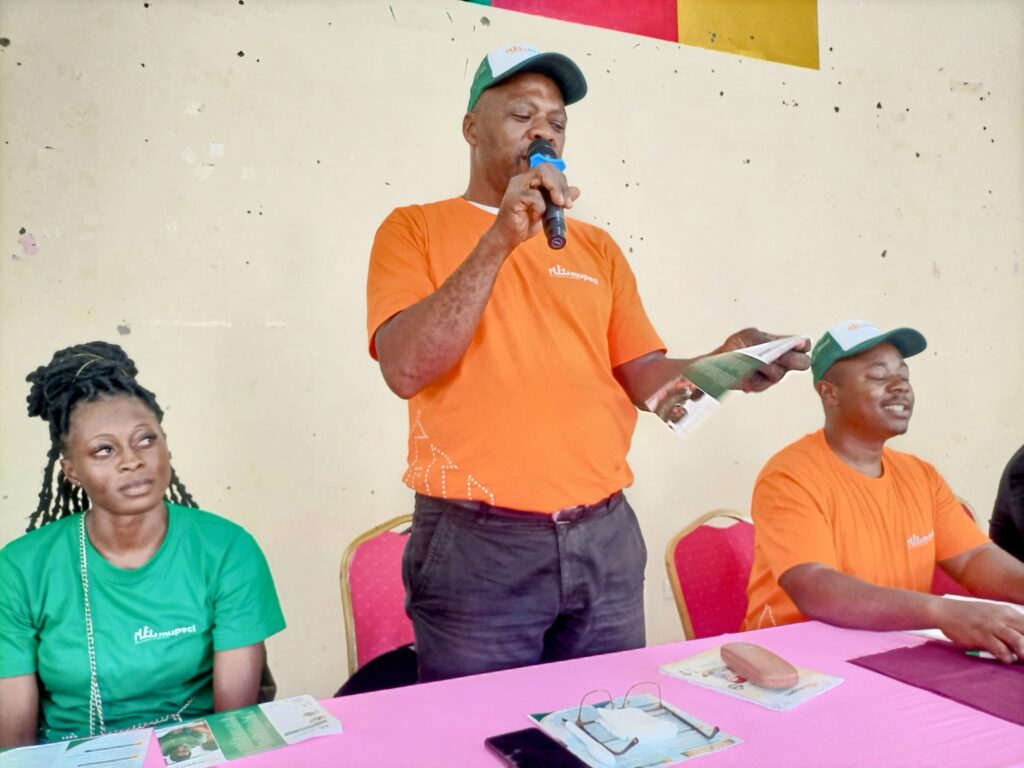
213 213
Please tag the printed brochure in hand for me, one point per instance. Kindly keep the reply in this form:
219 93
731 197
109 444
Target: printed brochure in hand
708 379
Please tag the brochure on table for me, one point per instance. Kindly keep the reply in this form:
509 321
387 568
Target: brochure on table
210 740
116 750
243 732
707 669
712 377
594 742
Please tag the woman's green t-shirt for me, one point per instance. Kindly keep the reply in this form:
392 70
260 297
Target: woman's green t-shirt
208 588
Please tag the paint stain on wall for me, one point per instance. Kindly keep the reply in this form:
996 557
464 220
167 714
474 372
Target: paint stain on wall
964 86
124 330
28 243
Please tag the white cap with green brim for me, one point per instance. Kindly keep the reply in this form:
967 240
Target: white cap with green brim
856 336
501 64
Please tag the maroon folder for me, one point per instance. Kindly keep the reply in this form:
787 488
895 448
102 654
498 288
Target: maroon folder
947 670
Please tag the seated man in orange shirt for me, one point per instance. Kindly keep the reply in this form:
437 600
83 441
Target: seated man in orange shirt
848 531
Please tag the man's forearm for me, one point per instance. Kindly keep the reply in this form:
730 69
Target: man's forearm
424 342
827 595
993 573
644 376
837 598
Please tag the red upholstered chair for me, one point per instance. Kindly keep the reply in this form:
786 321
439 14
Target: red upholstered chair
372 594
942 582
709 566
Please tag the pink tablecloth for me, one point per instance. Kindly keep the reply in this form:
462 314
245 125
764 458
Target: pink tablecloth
869 720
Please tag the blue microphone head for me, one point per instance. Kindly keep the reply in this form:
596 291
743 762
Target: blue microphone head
541 151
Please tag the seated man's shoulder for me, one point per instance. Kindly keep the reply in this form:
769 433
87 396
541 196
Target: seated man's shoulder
909 463
804 454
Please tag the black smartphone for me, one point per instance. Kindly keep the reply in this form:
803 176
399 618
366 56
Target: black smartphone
532 748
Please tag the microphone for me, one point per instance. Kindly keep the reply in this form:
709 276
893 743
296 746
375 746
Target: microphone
555 229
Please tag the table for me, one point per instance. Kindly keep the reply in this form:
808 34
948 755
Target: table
869 720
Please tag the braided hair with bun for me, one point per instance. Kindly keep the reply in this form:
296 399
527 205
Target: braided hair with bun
82 373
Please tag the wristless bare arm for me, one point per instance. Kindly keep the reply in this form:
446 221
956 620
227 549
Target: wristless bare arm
422 343
825 594
988 571
19 711
236 676
425 341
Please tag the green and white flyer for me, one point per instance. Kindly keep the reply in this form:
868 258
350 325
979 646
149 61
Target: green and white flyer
686 400
243 732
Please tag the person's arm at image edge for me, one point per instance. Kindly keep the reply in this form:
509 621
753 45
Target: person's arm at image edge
825 594
19 711
988 571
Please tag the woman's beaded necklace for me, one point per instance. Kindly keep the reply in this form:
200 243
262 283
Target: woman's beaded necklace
97 726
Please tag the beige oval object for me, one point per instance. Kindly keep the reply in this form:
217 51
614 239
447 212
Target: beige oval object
759 665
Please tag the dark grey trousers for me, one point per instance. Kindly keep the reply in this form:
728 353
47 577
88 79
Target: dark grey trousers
486 591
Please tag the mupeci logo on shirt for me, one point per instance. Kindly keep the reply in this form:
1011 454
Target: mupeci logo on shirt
146 633
559 271
914 541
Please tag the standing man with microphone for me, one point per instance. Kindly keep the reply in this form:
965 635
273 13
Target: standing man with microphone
523 365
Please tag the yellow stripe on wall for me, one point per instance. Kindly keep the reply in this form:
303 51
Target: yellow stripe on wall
785 31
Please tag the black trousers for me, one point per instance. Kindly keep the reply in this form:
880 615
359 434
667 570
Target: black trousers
491 589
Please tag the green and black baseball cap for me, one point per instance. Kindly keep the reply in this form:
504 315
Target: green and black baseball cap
501 64
856 336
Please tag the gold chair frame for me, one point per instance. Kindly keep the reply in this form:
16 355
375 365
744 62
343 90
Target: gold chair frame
346 584
670 563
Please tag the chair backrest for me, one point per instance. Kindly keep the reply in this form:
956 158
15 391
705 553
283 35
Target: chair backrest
709 567
942 582
372 594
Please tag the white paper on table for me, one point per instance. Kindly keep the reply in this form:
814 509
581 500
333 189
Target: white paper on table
43 756
115 750
707 670
300 718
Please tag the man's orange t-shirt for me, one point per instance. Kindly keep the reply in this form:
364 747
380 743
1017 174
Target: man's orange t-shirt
531 417
810 507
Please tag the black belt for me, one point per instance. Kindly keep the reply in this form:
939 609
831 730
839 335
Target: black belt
479 509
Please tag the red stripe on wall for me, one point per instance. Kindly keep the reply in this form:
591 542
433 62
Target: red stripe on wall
650 18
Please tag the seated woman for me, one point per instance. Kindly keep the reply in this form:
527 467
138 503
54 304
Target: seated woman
120 607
